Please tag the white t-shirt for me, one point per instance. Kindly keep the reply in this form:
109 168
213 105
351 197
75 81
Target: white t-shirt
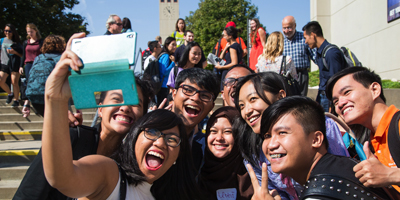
139 192
148 60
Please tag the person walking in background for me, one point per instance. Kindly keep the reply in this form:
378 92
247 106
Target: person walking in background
11 53
178 34
232 52
295 47
258 39
126 25
113 25
271 59
166 63
31 49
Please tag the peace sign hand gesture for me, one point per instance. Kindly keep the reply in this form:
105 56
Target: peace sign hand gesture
262 192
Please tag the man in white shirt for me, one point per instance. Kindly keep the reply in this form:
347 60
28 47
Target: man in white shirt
155 49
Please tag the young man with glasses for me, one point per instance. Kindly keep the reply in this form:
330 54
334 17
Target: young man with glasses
233 76
113 25
193 98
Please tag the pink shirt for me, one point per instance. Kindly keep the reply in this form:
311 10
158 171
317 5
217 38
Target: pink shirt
31 51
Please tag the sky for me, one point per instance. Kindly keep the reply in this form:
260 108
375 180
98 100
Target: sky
144 14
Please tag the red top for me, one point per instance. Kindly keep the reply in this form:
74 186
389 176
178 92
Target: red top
31 51
256 50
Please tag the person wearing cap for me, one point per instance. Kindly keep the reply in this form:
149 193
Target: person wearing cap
222 42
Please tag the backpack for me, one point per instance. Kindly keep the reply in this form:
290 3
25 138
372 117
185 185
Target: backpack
41 69
146 53
348 55
153 71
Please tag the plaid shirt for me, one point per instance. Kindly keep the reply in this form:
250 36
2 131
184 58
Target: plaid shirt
299 51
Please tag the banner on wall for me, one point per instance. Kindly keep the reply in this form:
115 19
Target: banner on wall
393 11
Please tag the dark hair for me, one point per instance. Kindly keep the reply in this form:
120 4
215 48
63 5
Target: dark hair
166 44
313 27
362 75
53 44
242 66
250 143
229 113
126 23
307 112
176 25
231 31
187 31
15 36
201 77
185 56
152 45
146 87
253 34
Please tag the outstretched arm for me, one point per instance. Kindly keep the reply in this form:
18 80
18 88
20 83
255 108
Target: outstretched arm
90 175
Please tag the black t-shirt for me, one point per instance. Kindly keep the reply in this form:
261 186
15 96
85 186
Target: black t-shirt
179 52
239 52
339 166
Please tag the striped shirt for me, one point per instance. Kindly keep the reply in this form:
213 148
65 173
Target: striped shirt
299 51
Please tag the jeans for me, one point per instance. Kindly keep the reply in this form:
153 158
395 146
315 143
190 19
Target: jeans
323 100
28 67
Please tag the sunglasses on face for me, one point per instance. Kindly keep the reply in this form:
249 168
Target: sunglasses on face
118 24
171 140
190 91
7 31
228 82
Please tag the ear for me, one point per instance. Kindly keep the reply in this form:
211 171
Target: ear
222 95
174 91
281 94
318 138
99 111
375 89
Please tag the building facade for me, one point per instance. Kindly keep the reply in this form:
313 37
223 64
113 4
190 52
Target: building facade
169 13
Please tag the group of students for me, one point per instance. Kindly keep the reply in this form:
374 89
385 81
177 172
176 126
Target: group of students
18 58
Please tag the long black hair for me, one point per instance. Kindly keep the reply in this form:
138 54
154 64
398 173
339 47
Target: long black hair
15 36
166 44
249 142
179 181
185 56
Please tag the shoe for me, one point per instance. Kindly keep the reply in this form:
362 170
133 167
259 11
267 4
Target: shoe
9 98
26 111
15 104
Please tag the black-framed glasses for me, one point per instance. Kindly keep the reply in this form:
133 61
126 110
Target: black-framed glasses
171 140
228 82
8 31
118 24
190 91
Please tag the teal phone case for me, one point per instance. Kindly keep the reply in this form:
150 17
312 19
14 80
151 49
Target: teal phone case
106 61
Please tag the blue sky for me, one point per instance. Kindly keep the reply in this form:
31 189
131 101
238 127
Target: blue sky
144 14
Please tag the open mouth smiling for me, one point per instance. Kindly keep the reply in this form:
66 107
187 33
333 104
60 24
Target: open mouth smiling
253 119
192 111
220 146
277 155
347 109
123 119
154 160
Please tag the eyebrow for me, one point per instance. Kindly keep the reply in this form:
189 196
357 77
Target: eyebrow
281 127
341 91
251 94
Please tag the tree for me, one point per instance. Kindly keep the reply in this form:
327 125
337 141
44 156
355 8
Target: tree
209 20
48 15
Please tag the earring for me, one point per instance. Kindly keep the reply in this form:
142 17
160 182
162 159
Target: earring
174 163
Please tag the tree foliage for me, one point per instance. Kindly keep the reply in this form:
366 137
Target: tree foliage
48 15
209 20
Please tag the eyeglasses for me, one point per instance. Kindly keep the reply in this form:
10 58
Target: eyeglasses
8 31
287 28
118 24
228 82
190 91
172 140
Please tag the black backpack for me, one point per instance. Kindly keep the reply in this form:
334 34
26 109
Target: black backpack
348 55
153 71
146 54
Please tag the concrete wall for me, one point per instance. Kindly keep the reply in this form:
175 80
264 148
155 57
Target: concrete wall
167 22
362 26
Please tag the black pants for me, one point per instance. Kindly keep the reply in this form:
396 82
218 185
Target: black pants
303 81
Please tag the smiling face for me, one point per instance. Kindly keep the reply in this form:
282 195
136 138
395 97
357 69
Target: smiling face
310 40
181 25
117 26
229 91
252 106
226 36
194 55
172 47
354 102
288 28
191 109
288 148
189 37
8 33
253 25
221 141
155 157
119 119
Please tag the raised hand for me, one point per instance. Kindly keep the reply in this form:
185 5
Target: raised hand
262 192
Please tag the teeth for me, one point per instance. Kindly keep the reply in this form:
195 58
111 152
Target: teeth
122 118
156 154
232 94
192 107
219 145
276 155
253 119
347 109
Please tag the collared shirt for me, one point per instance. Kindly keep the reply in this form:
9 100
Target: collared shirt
335 61
299 51
379 140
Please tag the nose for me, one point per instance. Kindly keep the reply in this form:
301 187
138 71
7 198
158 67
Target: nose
272 143
219 137
341 103
160 142
195 97
126 109
248 110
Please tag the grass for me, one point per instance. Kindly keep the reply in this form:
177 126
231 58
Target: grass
314 81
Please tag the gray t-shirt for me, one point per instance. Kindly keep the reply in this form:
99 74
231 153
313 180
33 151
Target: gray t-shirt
6 44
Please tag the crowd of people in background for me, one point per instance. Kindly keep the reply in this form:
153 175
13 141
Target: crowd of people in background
265 142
